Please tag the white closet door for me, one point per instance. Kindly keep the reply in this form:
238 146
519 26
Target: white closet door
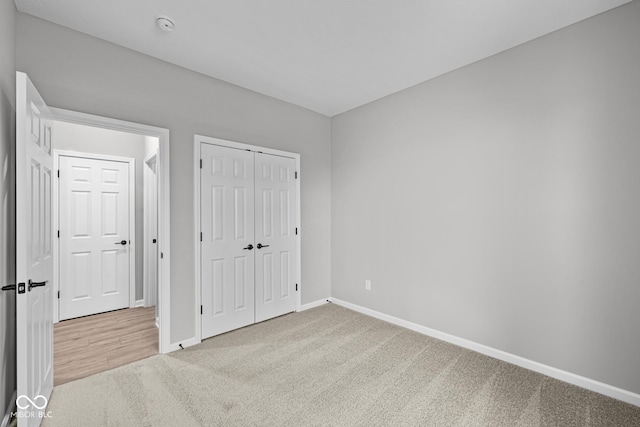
275 236
94 236
227 216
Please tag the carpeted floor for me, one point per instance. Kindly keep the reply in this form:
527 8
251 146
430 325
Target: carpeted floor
328 366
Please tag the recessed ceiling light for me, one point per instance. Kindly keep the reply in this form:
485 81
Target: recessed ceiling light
165 23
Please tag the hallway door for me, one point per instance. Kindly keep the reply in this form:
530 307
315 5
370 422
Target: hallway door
95 233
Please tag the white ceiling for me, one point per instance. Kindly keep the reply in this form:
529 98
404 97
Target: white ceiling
326 55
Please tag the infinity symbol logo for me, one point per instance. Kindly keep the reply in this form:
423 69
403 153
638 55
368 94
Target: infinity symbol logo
21 404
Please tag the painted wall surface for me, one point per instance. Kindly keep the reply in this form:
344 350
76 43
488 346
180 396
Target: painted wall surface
87 139
7 203
78 72
500 202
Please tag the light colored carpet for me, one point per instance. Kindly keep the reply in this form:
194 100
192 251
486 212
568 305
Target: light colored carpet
328 366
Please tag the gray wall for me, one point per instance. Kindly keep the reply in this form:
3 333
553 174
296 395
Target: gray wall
79 72
86 139
7 202
500 202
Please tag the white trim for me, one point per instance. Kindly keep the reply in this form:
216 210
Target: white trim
139 303
132 220
7 413
164 210
196 241
299 236
146 233
568 377
197 140
314 304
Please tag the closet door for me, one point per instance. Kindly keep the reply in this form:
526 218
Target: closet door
227 224
275 252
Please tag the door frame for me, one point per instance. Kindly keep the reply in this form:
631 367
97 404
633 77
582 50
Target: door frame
131 162
146 244
164 211
197 140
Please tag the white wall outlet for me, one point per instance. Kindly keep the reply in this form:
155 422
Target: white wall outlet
367 285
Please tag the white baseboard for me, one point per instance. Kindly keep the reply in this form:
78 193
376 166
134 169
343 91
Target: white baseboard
185 343
7 413
314 304
568 377
139 303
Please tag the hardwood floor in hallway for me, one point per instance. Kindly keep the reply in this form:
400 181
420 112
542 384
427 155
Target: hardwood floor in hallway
92 344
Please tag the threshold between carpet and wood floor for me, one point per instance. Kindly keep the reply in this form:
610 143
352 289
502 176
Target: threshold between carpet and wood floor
328 366
92 344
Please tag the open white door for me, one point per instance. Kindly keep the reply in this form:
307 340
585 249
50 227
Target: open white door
34 256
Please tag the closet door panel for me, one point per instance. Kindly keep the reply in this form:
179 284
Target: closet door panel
275 267
227 225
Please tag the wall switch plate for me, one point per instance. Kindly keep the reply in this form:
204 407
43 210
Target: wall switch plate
367 285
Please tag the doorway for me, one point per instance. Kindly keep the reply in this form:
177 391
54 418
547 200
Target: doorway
163 244
100 250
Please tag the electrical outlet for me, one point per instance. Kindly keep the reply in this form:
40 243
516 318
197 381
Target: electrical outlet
367 285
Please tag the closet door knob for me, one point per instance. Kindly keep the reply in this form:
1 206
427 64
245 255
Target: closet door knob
260 246
249 247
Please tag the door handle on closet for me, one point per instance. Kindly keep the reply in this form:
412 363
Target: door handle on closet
248 247
33 284
260 246
121 242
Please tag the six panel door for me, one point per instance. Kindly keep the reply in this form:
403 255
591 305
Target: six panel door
227 215
34 254
94 236
248 241
275 236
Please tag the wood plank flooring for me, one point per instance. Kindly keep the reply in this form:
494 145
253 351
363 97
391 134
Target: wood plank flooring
92 344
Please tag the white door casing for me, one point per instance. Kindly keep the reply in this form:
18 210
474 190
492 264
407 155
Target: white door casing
34 254
164 213
227 239
150 232
236 183
95 235
275 236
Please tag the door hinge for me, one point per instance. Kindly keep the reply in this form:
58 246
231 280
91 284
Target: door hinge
161 255
296 231
296 174
201 311
200 163
296 287
58 294
58 234
58 173
201 236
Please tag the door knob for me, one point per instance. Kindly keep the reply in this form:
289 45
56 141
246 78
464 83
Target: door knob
260 246
33 284
9 288
248 247
121 242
